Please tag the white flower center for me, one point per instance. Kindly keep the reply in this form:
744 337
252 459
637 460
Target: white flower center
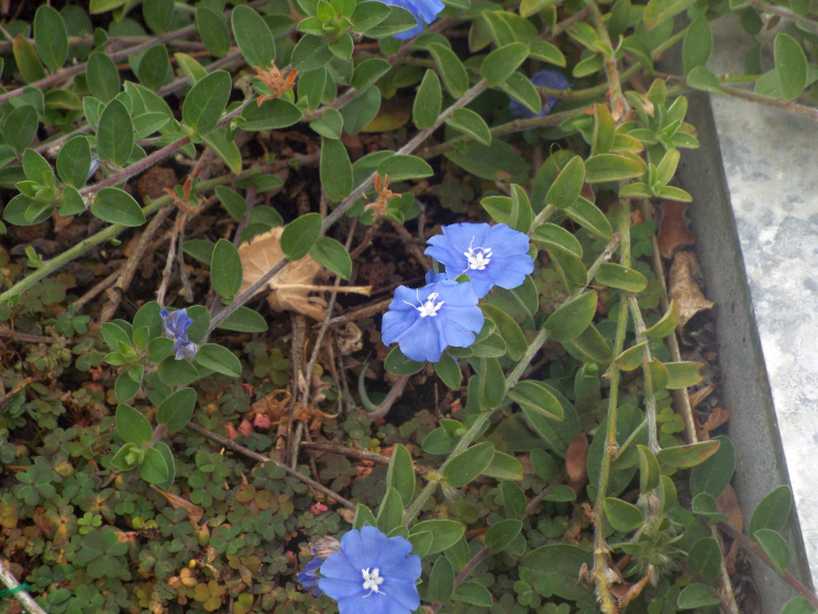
478 257
372 580
429 308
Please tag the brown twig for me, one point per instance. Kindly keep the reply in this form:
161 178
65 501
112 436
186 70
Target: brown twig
128 271
229 443
25 337
395 393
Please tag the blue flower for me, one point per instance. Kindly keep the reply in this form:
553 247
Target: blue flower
424 11
489 255
308 577
176 325
372 573
542 78
425 321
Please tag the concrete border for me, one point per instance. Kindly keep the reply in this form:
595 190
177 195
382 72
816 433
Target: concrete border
745 387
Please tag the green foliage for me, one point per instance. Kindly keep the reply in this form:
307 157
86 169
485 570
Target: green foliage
310 122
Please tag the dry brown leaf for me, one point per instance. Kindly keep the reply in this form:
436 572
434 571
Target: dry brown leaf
727 504
697 396
194 512
673 232
684 287
717 417
575 464
291 288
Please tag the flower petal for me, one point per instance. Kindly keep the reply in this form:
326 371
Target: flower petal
504 240
404 593
396 323
339 567
421 341
341 589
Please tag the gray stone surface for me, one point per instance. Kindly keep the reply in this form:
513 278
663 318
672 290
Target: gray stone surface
770 167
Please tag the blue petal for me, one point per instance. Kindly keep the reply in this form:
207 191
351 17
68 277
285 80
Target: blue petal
464 235
481 281
355 550
338 567
505 240
421 341
396 323
510 272
341 589
401 567
404 593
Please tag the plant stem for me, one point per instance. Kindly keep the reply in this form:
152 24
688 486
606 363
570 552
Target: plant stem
601 569
619 104
647 375
785 13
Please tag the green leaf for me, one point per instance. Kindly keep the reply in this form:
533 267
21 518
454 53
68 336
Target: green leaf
471 124
116 206
401 167
219 359
390 512
537 397
400 474
504 467
441 581
232 201
520 88
333 255
697 595
363 517
604 135
335 169
271 115
773 512
244 320
798 605
399 364
649 471
253 37
451 69
102 76
27 60
511 332
700 78
553 236
613 167
213 30
590 217
775 546
566 188
115 136
659 11
666 325
300 235
622 516
368 72
221 141
501 534
154 468
463 468
154 68
74 161
492 383
51 37
132 426
571 318
37 169
428 101
697 45
225 269
704 558
329 124
686 456
445 533
546 52
205 102
448 371
473 593
501 63
714 474
177 409
684 374
19 127
621 277
158 14
790 65
514 500
514 210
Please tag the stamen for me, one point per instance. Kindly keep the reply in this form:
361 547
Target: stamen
430 307
478 258
372 580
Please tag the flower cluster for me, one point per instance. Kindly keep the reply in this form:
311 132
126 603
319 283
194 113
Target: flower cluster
445 312
176 325
366 572
424 11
